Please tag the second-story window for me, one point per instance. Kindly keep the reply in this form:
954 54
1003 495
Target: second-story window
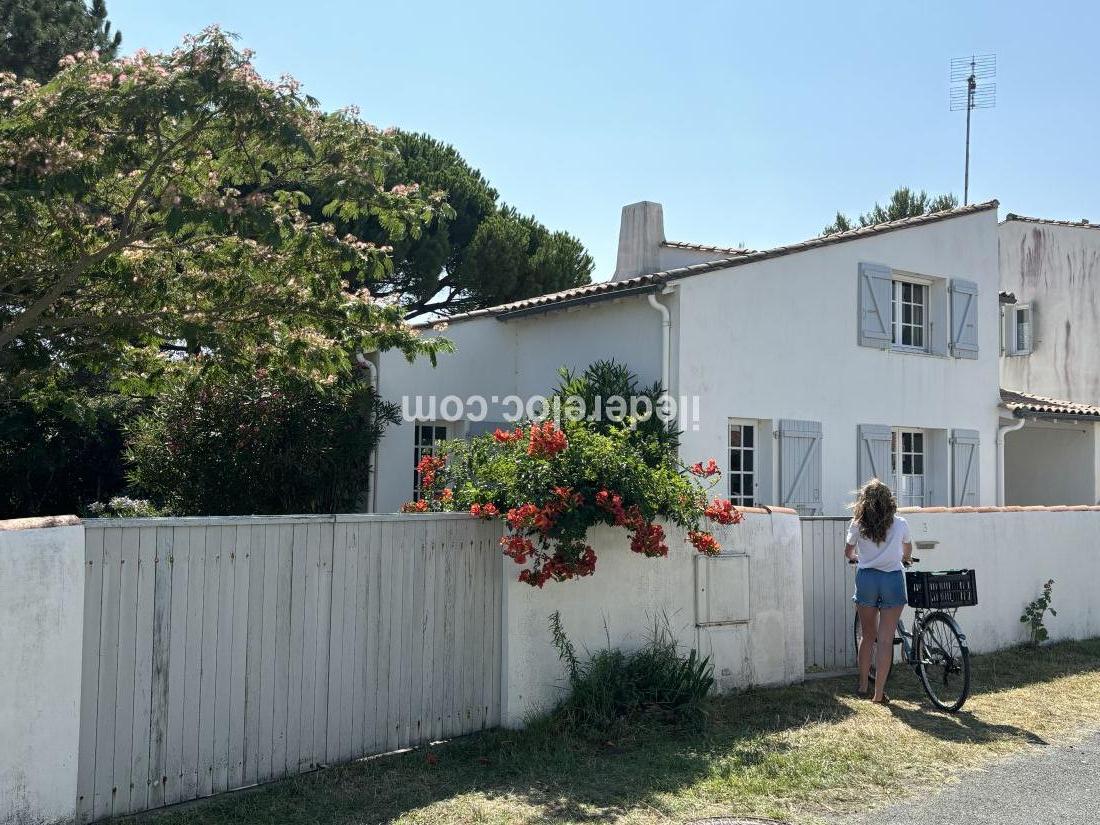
1023 330
910 315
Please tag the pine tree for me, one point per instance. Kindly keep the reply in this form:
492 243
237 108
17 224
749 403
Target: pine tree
36 34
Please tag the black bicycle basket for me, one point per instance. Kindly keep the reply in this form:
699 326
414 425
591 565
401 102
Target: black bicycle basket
939 589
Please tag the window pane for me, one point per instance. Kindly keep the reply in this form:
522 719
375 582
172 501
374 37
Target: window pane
440 433
907 442
735 436
918 442
746 461
735 459
746 434
918 464
735 484
907 313
918 336
426 436
906 464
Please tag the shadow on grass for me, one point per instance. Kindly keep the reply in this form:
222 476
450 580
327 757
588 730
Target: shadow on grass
567 778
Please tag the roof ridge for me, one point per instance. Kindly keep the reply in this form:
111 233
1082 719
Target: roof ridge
702 247
603 287
1081 224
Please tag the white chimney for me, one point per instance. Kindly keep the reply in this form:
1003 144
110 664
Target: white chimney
641 234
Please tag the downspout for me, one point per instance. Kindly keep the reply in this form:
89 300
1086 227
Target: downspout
1001 432
372 370
666 340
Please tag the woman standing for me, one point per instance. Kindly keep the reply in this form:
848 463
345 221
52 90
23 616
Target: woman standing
878 539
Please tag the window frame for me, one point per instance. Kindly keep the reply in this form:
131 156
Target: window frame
897 326
741 499
898 454
421 449
1017 309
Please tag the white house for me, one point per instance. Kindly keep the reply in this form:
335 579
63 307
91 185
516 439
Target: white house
1050 361
812 366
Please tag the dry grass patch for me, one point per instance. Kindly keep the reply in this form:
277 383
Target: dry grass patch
800 753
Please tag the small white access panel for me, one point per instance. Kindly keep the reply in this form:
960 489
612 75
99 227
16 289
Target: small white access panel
721 590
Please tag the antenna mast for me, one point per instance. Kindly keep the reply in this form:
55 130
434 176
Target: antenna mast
970 70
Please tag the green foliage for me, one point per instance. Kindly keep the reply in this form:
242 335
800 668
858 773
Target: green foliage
481 253
218 443
124 507
61 436
904 203
36 34
615 687
165 199
1036 611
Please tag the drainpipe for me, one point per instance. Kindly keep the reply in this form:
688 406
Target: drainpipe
666 339
372 370
1001 432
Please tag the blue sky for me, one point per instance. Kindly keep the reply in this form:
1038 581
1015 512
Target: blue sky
751 123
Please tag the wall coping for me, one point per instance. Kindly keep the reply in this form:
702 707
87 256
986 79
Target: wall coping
38 523
1010 508
767 510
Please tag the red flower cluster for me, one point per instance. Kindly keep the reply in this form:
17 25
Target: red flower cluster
419 506
721 510
704 542
522 517
546 440
447 496
560 568
630 517
427 467
649 540
504 436
704 470
517 547
487 510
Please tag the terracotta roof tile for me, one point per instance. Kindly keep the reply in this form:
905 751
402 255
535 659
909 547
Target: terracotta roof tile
1023 404
1081 224
699 247
610 288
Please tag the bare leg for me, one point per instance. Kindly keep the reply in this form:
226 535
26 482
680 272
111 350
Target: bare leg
868 621
887 626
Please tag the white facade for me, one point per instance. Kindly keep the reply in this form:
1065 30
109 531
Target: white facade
768 340
1053 462
1053 270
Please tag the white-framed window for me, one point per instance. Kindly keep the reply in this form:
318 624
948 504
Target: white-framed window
1022 332
426 438
742 462
909 313
908 465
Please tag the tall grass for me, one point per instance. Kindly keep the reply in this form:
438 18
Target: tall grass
614 686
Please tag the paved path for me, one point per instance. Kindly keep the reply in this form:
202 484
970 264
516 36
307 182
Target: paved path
1041 786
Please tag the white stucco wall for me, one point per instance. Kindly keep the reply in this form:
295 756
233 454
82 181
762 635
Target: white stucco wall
1056 269
758 579
41 627
778 339
515 357
1013 553
1050 462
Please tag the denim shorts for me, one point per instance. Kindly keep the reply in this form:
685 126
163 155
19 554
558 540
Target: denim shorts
877 588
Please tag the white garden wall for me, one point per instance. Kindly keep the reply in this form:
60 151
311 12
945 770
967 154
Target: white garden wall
41 621
1013 551
743 609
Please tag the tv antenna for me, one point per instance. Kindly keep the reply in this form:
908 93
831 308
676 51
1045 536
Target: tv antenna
973 95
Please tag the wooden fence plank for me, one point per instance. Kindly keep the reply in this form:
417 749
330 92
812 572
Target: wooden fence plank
266 743
324 623
89 688
358 669
180 561
299 545
108 674
223 679
140 779
309 648
336 642
374 727
241 561
253 673
159 699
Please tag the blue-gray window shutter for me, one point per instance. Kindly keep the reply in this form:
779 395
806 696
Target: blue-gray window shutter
875 294
874 454
800 465
964 468
964 318
475 428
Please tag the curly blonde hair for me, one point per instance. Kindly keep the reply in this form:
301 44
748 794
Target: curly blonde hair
874 510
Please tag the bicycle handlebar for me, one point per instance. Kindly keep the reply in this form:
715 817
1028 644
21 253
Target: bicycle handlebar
913 560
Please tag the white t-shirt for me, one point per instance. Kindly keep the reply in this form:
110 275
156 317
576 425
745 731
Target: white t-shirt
886 556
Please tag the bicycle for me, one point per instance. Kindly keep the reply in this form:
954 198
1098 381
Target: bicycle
936 648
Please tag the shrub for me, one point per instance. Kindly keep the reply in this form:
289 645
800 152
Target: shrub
215 443
123 507
554 482
1036 611
614 687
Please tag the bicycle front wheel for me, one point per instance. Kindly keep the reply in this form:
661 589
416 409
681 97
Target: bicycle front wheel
943 662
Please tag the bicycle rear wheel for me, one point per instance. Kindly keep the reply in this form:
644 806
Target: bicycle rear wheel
943 662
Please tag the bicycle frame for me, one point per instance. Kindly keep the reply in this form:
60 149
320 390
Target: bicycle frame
905 637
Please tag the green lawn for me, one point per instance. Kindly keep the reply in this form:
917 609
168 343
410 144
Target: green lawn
799 753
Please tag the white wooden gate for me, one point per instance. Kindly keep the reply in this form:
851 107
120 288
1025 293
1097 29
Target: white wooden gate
224 652
828 582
